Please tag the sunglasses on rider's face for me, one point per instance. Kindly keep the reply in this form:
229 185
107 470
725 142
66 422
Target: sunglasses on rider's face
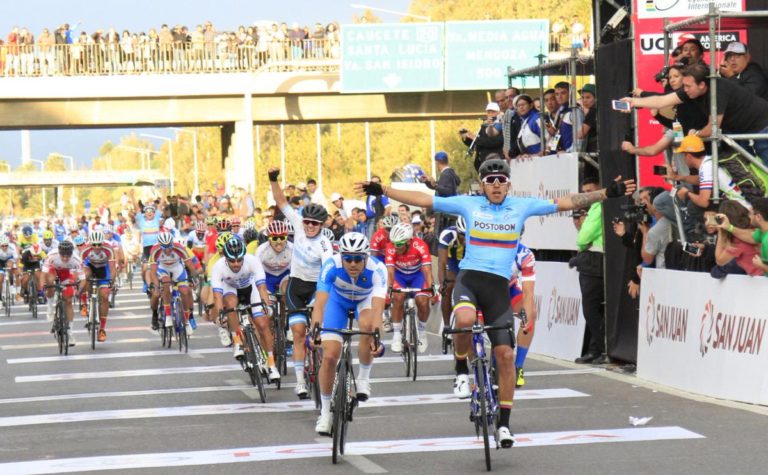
235 261
278 238
495 179
400 243
355 258
310 222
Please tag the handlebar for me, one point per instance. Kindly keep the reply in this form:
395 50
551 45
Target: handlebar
316 329
241 307
408 290
477 328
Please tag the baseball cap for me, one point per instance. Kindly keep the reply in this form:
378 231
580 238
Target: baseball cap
685 39
441 156
492 106
335 196
736 48
691 144
302 186
591 88
416 220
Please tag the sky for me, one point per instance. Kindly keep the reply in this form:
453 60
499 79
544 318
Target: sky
140 15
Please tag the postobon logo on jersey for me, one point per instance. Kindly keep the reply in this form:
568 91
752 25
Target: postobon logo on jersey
483 226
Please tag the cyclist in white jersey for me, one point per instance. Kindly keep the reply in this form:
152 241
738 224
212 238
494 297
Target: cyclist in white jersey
275 256
239 278
49 243
8 260
310 250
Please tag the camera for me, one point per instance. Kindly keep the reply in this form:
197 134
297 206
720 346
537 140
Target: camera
635 214
463 130
661 75
718 219
691 249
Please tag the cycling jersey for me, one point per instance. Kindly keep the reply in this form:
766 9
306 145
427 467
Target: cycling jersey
252 246
346 293
274 263
308 253
210 240
25 242
9 254
379 242
209 265
411 260
148 229
71 270
97 257
176 254
225 281
449 239
32 258
493 230
195 242
522 271
48 249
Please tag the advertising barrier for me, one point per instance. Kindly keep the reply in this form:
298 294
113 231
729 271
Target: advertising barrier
550 177
705 335
560 323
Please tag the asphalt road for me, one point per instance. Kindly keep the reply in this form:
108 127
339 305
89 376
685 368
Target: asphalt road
132 406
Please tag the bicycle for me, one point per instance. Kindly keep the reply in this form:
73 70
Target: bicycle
32 297
254 360
410 334
278 330
176 323
344 395
60 327
7 297
313 357
92 324
484 407
115 287
200 283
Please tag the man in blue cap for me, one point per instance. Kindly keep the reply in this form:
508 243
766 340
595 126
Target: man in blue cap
447 184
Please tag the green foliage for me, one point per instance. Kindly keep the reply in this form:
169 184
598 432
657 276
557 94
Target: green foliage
443 10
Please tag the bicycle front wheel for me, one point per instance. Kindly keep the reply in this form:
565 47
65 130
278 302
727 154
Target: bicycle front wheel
32 291
339 412
414 346
252 363
60 328
7 299
482 397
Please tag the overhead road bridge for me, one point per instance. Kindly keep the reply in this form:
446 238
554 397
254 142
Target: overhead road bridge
50 179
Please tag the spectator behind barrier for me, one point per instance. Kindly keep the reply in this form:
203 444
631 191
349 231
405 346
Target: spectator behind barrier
753 236
529 137
738 66
732 255
481 144
657 231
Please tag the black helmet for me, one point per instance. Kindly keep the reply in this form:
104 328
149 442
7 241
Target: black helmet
494 166
315 212
66 248
234 248
250 235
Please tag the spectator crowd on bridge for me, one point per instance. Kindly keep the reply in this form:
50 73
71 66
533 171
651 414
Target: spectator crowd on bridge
71 50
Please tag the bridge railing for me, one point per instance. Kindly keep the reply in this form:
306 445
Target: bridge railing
97 59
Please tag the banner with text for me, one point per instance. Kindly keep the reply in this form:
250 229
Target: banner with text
548 177
477 53
649 59
560 323
392 57
704 335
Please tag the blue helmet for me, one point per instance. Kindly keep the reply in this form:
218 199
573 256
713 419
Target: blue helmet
409 174
26 230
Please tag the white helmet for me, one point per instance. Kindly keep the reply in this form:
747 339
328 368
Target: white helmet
354 243
107 228
165 238
389 221
290 227
461 225
96 237
4 241
328 233
401 232
169 224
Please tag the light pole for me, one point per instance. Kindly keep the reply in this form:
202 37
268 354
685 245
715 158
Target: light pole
393 12
71 159
170 153
42 167
142 151
10 196
196 190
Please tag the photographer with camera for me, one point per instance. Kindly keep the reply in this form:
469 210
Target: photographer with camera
655 228
481 143
631 238
732 255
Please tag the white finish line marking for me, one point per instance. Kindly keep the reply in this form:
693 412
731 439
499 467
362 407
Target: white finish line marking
42 310
224 409
33 346
301 451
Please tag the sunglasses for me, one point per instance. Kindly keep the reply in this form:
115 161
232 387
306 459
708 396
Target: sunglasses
235 261
310 222
400 243
353 258
495 180
278 238
97 245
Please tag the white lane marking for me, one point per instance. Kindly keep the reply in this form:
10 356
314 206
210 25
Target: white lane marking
301 451
223 409
248 390
32 346
127 354
42 310
285 384
128 316
363 464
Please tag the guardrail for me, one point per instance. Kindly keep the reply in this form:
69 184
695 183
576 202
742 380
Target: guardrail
97 59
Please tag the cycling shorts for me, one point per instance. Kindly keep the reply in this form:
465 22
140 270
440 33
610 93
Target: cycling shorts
101 274
335 315
145 253
28 266
414 281
274 281
452 266
483 291
299 294
249 296
177 273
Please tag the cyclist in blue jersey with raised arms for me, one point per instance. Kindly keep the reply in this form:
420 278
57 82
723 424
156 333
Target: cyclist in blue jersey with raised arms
493 225
148 221
348 280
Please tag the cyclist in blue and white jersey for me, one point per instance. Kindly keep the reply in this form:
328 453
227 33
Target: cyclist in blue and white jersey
349 280
310 250
148 222
493 222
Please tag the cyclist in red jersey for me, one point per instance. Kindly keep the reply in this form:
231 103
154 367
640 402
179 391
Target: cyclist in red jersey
380 238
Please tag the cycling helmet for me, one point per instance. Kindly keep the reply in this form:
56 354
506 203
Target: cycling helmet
210 221
289 226
328 233
401 232
169 223
223 237
66 248
250 223
96 237
461 225
165 238
199 227
26 230
277 228
47 234
250 235
224 224
148 208
234 248
236 221
354 243
4 241
315 212
107 229
389 221
79 240
494 166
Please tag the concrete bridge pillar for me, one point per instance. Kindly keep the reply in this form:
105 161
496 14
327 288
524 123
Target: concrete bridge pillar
239 167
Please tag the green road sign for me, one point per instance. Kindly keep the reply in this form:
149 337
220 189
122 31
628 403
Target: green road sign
392 57
477 53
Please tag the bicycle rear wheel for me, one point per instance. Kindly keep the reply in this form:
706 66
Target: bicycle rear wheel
252 363
279 346
414 347
339 412
60 328
93 317
315 379
180 325
483 402
7 299
32 291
